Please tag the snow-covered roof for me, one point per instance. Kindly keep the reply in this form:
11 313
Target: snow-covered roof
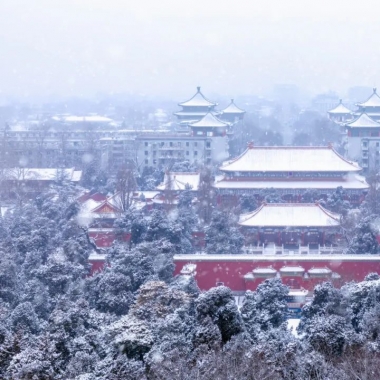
264 271
189 269
292 269
97 257
289 159
179 181
363 121
372 101
198 100
290 215
195 114
320 271
351 181
232 108
209 120
340 109
194 258
43 174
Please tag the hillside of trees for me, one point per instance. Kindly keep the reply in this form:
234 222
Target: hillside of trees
134 320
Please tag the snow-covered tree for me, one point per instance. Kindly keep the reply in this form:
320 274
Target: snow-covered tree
266 307
222 236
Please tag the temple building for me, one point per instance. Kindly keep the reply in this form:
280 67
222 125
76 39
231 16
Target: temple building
195 108
232 113
174 183
209 126
363 141
340 113
298 227
371 106
291 171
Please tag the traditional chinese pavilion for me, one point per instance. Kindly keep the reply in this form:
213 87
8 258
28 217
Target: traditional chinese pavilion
296 226
209 126
340 113
195 108
290 171
371 106
232 113
174 183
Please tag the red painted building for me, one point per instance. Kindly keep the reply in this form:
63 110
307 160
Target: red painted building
245 272
290 171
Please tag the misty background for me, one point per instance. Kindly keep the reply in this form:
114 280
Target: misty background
51 49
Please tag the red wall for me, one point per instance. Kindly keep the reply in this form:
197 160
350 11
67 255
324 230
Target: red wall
105 239
231 273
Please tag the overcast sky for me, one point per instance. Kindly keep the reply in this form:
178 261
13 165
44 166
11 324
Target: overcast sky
169 47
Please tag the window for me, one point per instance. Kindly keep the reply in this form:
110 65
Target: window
187 143
179 143
154 153
195 153
146 143
208 144
377 144
146 162
154 161
146 153
195 144
187 153
171 144
365 144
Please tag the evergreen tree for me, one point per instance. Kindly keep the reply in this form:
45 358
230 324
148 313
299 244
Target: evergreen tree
266 307
222 236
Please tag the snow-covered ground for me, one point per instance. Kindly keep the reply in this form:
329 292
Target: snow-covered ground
292 326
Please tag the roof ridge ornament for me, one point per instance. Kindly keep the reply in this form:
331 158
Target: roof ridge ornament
250 145
374 90
199 88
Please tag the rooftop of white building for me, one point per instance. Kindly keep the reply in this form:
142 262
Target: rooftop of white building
290 215
372 101
340 109
289 159
363 121
198 100
209 121
232 108
180 181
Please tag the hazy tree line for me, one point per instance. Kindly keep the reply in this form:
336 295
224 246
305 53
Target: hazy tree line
134 320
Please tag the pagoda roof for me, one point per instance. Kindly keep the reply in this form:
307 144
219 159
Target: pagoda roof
340 109
372 101
179 181
289 159
348 182
290 215
363 121
209 120
198 100
232 108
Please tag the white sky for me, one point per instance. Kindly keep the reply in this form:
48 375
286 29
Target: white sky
168 47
